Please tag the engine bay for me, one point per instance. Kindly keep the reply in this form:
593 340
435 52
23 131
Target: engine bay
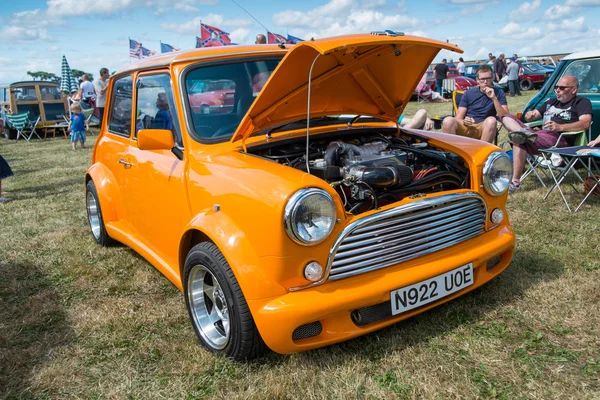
374 168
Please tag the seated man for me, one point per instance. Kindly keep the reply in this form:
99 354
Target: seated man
162 119
418 121
478 108
569 113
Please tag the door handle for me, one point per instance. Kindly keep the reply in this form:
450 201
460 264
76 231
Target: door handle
125 163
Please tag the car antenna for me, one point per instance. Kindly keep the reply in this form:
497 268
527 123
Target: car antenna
308 112
254 18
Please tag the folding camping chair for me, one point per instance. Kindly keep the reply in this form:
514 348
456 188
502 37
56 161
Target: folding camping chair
22 123
537 164
456 96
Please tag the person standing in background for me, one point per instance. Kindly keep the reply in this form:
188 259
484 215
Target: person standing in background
441 72
513 77
101 87
461 66
499 68
260 39
451 64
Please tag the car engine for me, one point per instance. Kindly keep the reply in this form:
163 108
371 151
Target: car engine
375 169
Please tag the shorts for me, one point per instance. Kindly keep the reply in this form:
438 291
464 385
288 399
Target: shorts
78 135
473 131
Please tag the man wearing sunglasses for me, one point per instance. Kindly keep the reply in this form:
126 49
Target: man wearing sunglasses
478 108
568 113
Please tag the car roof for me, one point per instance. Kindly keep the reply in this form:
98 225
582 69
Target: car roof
166 59
582 54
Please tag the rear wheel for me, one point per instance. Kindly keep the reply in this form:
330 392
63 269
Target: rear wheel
217 307
526 84
95 219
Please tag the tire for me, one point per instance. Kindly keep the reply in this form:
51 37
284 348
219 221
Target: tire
526 84
217 307
94 213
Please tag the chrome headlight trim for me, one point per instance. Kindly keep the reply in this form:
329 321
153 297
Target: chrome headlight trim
291 209
488 169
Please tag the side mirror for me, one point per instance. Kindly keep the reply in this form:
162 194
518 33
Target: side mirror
155 139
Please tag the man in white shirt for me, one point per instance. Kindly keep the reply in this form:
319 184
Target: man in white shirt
461 66
101 87
88 93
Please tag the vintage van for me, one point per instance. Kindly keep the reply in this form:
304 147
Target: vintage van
302 215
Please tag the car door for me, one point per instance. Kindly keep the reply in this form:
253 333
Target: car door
113 144
156 191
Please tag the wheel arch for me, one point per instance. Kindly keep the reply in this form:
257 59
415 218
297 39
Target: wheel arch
107 189
233 243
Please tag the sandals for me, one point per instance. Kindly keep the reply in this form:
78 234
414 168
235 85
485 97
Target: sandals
513 186
522 136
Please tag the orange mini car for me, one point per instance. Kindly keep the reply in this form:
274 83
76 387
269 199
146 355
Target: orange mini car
303 215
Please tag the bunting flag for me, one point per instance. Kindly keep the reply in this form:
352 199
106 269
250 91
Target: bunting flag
211 36
293 39
167 48
136 50
274 38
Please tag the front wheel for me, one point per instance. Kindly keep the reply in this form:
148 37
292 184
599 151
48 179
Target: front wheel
526 84
217 307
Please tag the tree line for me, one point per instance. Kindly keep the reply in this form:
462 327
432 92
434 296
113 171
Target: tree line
49 76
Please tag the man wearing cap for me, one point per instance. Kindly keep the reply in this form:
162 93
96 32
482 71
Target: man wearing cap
441 72
512 70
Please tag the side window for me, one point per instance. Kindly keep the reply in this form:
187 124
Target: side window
120 106
154 105
587 73
25 93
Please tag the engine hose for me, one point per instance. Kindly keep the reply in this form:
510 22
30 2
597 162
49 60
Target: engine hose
335 149
433 176
426 186
430 154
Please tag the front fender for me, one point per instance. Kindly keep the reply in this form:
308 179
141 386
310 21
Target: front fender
252 273
109 194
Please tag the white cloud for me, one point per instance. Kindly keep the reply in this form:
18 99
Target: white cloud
469 1
557 11
569 26
65 8
341 17
239 35
193 27
239 22
446 20
512 30
472 10
372 3
525 11
21 34
582 3
27 13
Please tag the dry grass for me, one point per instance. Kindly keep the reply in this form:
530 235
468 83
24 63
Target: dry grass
81 321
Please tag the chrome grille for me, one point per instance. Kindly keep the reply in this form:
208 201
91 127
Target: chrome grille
405 233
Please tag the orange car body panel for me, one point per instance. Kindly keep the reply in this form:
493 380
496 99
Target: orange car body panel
237 200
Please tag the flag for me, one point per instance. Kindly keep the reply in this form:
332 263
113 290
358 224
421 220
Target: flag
211 36
167 48
293 39
274 38
136 50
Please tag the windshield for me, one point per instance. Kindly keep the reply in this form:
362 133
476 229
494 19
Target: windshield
219 96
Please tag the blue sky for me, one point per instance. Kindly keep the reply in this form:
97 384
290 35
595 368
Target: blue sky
93 33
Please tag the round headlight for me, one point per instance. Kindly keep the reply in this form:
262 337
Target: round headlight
497 172
309 216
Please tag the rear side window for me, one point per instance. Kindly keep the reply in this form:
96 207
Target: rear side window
120 106
587 73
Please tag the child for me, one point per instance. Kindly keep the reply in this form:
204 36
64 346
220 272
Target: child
78 125
5 172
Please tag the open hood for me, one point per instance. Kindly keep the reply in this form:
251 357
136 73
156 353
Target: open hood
373 75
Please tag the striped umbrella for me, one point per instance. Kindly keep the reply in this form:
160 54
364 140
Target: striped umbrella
68 83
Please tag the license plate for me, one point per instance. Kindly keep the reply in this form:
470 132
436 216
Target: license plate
419 294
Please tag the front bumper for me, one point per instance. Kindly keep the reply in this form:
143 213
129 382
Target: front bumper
331 305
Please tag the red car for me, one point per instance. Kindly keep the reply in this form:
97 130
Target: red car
461 82
212 97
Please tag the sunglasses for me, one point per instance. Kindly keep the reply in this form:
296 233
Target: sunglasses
557 87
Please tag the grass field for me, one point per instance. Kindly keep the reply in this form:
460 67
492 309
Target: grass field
81 321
